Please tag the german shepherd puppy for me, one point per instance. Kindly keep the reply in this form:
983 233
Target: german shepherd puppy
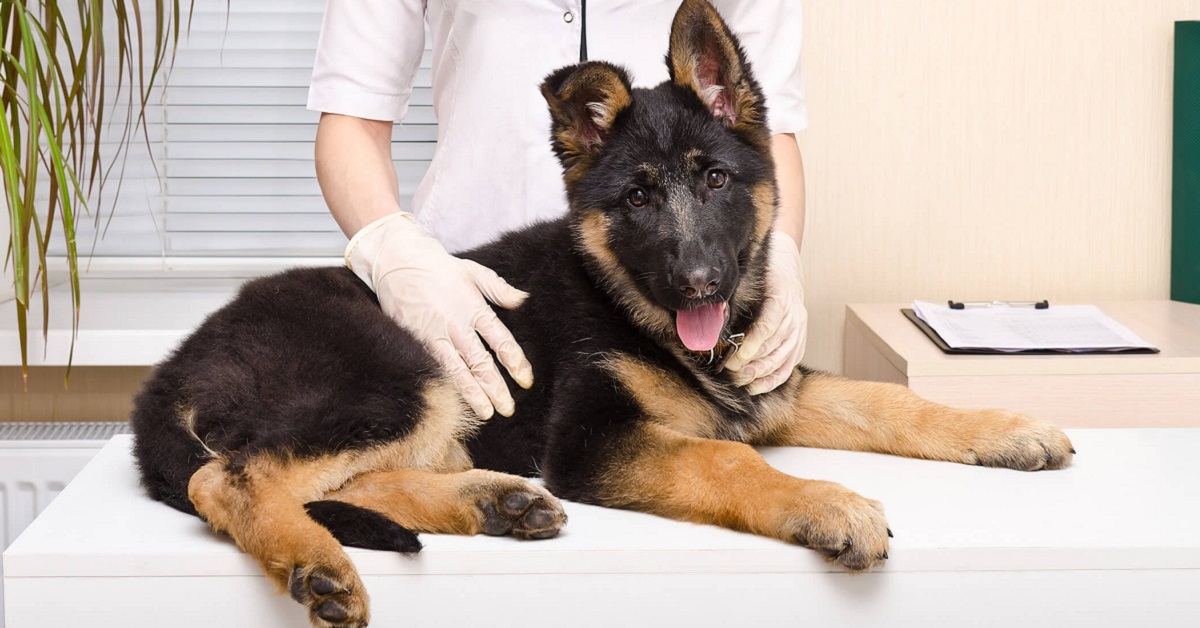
300 415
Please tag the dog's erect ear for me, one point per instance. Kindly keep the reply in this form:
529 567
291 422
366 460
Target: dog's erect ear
585 100
706 57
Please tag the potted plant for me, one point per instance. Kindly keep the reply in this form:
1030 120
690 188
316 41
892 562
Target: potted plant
57 62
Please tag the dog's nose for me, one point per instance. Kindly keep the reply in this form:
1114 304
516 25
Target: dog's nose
698 283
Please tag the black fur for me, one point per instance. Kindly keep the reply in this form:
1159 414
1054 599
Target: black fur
361 527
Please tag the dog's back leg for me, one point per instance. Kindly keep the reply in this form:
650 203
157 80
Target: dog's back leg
261 505
470 502
822 410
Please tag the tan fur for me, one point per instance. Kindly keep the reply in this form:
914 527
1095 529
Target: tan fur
766 200
665 398
436 443
729 484
417 500
833 412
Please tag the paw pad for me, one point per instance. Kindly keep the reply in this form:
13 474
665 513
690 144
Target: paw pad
521 512
330 604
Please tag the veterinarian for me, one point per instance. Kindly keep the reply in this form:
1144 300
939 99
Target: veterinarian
493 169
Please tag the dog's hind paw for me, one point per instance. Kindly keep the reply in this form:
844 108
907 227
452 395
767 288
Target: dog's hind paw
333 600
520 508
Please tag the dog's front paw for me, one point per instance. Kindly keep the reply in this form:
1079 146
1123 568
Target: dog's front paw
845 526
1015 441
335 597
520 508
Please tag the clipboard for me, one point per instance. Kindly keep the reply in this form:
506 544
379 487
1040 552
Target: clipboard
941 344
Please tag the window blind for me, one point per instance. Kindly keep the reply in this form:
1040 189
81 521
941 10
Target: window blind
233 145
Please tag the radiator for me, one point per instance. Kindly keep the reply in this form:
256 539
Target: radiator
36 462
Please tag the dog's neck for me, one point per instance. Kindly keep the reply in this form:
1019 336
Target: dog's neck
714 359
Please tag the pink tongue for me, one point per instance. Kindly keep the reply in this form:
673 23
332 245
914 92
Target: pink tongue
700 328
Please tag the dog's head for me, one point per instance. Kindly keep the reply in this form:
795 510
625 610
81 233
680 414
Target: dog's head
672 189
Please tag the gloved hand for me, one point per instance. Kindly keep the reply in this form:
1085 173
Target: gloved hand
775 342
440 299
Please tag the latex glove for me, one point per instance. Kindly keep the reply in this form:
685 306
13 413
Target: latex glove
440 299
775 343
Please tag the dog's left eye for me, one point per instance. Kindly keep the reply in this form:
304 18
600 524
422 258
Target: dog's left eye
716 179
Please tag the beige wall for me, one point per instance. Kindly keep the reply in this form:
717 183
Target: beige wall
978 149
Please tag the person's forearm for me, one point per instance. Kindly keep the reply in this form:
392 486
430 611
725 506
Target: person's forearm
789 174
354 168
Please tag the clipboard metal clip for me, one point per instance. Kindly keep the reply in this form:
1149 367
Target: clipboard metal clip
962 305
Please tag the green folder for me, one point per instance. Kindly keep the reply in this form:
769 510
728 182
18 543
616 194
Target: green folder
1185 190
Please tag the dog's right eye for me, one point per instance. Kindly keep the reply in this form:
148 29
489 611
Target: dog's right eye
637 197
717 179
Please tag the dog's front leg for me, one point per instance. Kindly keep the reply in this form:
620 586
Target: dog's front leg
606 451
822 410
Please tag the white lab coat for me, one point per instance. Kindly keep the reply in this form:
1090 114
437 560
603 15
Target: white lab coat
493 169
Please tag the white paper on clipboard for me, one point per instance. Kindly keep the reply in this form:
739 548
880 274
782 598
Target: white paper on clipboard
1059 327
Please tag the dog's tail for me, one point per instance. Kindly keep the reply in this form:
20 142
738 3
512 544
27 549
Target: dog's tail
362 527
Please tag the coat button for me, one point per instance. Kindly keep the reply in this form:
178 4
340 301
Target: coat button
568 17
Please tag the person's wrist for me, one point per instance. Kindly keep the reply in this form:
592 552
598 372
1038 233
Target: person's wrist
365 248
790 220
787 264
783 244
783 241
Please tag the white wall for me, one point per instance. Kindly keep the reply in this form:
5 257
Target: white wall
978 149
